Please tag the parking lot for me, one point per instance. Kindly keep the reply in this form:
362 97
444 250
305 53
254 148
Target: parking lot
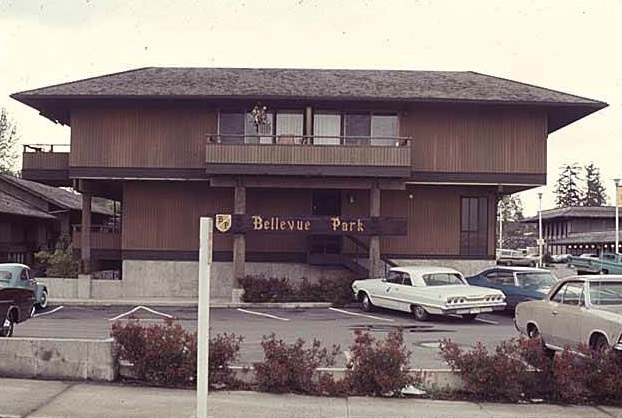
328 325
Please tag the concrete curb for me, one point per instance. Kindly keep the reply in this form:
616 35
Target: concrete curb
187 303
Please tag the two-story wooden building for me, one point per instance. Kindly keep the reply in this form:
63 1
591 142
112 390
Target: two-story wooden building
307 173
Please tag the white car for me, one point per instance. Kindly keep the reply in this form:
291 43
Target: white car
424 290
577 310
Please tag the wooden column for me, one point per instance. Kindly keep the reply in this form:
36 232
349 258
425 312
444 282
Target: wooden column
85 234
239 240
375 265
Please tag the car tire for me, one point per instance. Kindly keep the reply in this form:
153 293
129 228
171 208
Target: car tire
43 299
469 317
8 325
419 313
366 304
534 333
599 343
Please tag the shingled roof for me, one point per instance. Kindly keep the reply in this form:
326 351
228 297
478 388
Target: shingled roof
12 206
576 212
59 197
319 85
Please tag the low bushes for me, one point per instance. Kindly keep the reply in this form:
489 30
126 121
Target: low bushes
337 291
521 369
166 355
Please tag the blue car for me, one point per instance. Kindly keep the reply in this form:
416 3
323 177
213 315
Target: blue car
519 284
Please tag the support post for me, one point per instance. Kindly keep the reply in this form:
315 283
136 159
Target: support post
85 234
617 237
374 240
205 267
239 240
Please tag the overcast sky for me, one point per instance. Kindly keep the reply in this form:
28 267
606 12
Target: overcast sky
574 46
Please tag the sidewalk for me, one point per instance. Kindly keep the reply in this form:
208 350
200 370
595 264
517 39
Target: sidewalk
58 399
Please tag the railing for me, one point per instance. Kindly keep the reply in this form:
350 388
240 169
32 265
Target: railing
29 148
317 140
102 237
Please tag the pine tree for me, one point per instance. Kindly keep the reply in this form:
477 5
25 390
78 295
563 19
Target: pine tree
8 144
567 189
595 194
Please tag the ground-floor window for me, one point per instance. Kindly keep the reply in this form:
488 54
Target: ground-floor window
474 226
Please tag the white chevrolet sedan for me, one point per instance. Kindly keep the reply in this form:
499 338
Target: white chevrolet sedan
425 290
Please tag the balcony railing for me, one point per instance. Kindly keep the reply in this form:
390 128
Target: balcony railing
46 163
103 237
352 156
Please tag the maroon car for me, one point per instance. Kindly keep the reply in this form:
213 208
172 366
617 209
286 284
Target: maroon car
17 298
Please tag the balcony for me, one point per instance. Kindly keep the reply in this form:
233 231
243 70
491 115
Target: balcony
308 156
105 241
46 163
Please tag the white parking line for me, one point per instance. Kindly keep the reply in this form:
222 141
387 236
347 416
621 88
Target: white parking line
153 311
487 321
262 314
48 312
363 315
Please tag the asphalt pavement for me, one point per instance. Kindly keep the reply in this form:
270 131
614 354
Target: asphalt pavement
58 399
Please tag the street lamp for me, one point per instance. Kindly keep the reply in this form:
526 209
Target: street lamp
617 202
540 242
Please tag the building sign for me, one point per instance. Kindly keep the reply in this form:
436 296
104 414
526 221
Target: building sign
311 224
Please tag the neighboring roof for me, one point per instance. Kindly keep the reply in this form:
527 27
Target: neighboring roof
598 237
54 195
13 206
318 84
575 212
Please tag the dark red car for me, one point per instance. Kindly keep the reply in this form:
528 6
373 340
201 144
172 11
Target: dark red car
17 297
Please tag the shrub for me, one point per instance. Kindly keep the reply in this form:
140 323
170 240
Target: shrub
60 262
516 369
292 367
166 355
337 291
378 367
223 350
162 355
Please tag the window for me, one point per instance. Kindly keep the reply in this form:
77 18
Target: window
367 128
442 279
570 293
326 129
238 127
502 278
474 226
289 127
394 277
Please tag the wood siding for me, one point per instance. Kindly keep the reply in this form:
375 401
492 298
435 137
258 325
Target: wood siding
153 137
476 139
165 216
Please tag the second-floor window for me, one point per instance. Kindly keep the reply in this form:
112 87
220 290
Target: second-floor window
355 128
238 127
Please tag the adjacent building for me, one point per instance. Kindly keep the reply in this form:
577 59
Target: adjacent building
307 173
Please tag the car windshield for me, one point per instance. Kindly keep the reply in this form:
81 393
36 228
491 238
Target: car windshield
442 279
535 279
606 293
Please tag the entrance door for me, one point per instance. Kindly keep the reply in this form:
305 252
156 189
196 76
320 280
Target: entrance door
326 203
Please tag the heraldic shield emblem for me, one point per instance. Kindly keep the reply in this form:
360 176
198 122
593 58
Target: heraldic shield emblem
223 222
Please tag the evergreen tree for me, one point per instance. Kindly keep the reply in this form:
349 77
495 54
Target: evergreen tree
567 189
595 193
8 144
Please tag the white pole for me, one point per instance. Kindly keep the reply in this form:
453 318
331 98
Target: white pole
617 202
205 264
540 231
500 245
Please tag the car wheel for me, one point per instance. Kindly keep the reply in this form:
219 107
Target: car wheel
366 304
534 333
43 300
599 343
7 326
469 317
419 313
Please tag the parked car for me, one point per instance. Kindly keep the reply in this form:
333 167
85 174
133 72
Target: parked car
424 290
607 263
577 310
560 258
518 284
40 289
17 296
507 257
